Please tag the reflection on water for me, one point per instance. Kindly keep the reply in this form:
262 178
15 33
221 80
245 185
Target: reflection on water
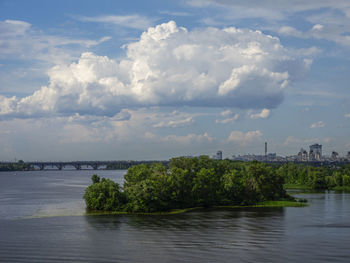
46 193
317 233
207 235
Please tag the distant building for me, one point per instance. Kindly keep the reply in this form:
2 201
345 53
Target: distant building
335 155
315 152
219 155
303 155
271 157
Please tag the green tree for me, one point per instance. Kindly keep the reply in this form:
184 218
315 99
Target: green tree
137 174
317 179
338 178
203 189
180 183
233 187
104 195
95 179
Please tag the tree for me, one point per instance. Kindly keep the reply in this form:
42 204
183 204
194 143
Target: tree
104 195
137 174
233 187
95 179
203 189
317 180
180 183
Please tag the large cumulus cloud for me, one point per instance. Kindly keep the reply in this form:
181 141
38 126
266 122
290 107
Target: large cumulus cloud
169 66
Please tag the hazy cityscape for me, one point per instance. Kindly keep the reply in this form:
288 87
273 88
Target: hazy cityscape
313 155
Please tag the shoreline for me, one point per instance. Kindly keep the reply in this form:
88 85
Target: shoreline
265 204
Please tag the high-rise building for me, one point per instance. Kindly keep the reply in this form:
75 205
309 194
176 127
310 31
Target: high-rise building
315 152
302 155
219 155
334 155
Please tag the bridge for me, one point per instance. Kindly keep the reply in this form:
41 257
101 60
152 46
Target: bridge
79 165
123 165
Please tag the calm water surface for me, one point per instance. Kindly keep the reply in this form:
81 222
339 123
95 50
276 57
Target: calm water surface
42 220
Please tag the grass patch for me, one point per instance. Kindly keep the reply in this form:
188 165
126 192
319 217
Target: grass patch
342 188
271 204
171 212
297 186
185 210
281 204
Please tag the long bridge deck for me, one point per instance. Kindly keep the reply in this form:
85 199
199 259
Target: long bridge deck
79 165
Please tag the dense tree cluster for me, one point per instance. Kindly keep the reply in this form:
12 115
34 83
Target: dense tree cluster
316 177
19 166
187 182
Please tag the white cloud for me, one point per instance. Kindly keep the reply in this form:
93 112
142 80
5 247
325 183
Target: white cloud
228 120
20 41
174 123
330 32
168 66
329 25
291 140
244 138
188 139
226 113
347 115
262 115
271 9
330 19
308 52
129 21
75 133
317 27
319 124
230 117
174 13
290 31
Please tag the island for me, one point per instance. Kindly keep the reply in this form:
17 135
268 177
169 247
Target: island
189 183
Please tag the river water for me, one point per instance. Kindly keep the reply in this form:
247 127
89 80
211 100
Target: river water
42 219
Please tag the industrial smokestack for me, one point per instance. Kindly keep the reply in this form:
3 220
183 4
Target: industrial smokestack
265 149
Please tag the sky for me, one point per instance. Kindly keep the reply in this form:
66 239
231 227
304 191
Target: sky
147 80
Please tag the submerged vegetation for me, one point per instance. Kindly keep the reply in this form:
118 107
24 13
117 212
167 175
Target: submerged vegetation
187 183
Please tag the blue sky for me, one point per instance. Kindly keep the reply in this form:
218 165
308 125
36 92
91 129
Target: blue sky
84 80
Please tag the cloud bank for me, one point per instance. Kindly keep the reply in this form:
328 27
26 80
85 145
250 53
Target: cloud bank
168 66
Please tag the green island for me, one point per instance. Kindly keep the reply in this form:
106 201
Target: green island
188 184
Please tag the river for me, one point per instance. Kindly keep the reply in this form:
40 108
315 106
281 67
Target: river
42 219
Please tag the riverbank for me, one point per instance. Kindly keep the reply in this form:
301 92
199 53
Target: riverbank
307 187
265 204
297 187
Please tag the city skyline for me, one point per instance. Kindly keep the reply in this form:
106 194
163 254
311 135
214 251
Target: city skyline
146 81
